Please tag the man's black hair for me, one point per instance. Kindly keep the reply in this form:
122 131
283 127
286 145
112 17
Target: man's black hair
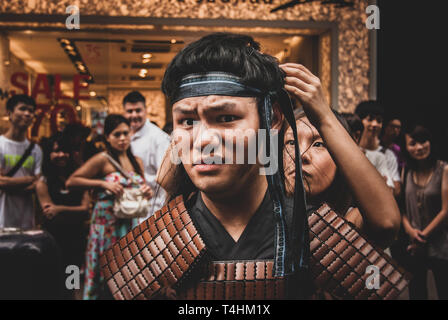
19 98
134 97
233 53
369 108
389 117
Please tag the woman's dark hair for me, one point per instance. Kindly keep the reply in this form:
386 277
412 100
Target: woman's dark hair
420 134
233 53
111 122
354 122
47 145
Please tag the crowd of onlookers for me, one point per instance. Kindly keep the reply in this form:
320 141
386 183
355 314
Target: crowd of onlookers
406 157
75 184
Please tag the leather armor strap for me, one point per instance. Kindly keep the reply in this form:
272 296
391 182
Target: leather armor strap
166 249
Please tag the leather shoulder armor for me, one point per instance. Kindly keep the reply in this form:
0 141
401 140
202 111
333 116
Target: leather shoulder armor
166 251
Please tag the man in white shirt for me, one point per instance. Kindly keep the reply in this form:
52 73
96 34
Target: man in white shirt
371 114
16 202
148 142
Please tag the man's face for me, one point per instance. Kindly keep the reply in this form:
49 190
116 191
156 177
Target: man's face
372 124
136 114
215 121
22 116
393 129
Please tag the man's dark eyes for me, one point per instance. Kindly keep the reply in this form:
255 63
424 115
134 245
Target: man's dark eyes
187 122
226 118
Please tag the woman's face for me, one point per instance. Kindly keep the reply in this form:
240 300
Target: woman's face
58 157
319 169
119 138
418 150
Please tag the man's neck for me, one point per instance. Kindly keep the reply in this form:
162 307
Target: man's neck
16 134
134 131
369 142
235 210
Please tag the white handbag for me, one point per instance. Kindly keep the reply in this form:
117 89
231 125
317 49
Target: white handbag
132 203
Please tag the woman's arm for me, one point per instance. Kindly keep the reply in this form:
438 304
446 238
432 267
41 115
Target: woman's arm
381 216
50 209
84 177
42 193
441 216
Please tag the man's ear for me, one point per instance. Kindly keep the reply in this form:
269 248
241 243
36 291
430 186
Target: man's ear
278 117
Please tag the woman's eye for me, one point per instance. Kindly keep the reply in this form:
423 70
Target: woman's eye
318 144
289 143
226 118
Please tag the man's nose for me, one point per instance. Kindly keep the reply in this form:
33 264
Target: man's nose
205 137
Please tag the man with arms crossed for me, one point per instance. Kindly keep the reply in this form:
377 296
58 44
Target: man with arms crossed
16 202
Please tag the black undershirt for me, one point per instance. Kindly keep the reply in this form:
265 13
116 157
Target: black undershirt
256 241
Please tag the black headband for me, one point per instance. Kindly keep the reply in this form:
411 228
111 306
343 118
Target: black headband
213 83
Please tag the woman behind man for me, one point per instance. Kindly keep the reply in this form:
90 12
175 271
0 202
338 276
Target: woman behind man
65 211
98 172
335 170
426 208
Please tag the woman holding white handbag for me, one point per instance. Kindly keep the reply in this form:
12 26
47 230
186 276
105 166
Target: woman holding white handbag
122 196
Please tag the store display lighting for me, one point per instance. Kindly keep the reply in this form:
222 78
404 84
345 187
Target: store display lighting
143 73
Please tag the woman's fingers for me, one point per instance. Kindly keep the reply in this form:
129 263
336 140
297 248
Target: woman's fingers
299 71
146 190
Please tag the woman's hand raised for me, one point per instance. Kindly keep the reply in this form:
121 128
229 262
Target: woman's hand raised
307 88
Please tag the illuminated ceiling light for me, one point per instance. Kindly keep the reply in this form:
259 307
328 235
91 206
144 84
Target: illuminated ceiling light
143 73
146 60
72 53
70 48
6 63
146 56
92 93
66 41
28 31
78 108
173 41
